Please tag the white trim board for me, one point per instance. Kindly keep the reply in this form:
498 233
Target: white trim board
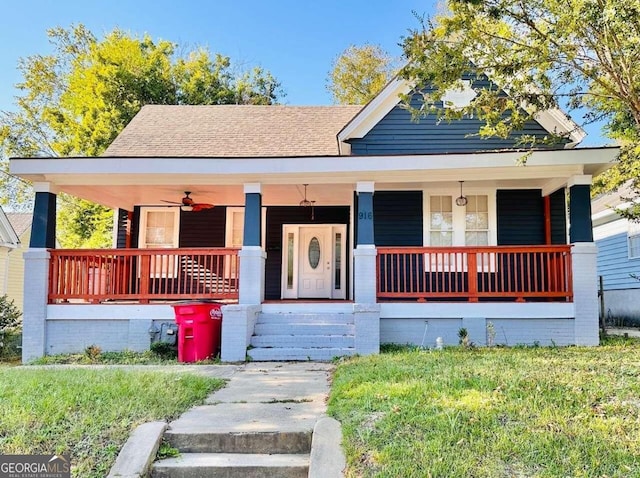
489 310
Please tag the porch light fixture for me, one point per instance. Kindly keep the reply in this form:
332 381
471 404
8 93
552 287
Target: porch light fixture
461 200
306 203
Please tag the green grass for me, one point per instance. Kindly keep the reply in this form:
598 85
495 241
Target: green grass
113 358
500 412
88 413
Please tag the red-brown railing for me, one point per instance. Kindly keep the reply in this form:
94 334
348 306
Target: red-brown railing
475 273
98 275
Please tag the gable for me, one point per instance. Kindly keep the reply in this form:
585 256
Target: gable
384 126
398 133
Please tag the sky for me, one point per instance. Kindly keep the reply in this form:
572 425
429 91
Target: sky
295 40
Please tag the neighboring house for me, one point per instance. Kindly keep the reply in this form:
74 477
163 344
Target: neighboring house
335 228
15 229
618 241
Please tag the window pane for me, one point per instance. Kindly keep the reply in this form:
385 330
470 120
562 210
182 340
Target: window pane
483 203
471 203
441 239
634 246
290 260
338 261
483 220
447 203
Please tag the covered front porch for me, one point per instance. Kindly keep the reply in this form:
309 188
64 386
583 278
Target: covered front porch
380 237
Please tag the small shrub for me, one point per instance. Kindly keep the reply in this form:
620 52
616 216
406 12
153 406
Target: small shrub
463 335
491 334
164 350
93 352
9 313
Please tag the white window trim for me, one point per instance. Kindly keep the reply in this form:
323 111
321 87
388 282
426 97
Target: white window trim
142 243
168 268
458 218
228 234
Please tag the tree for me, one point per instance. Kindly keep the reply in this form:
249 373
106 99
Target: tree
545 53
359 74
75 101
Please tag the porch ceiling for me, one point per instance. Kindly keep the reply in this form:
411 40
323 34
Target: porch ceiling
125 182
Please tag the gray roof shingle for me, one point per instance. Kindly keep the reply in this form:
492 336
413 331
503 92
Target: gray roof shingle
232 131
20 221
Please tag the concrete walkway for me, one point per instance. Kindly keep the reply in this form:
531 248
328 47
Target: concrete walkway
267 412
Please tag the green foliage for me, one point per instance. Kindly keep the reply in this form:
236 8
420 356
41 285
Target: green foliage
76 100
496 412
544 53
88 413
359 74
164 350
9 313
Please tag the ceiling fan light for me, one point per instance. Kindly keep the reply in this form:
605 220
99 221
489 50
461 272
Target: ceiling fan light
186 208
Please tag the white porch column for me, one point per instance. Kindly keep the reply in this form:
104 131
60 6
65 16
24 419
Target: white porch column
585 293
238 321
36 290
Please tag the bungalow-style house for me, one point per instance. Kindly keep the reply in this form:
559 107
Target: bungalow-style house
334 229
11 261
618 242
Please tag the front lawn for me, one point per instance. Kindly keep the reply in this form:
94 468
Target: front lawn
88 413
499 412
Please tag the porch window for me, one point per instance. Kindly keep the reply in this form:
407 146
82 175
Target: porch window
441 221
235 227
634 240
451 225
477 221
160 229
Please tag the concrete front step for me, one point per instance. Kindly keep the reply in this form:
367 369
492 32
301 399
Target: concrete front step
294 318
278 427
232 465
304 329
241 443
305 341
263 354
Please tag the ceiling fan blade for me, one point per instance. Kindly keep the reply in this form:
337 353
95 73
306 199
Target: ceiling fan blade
201 206
171 202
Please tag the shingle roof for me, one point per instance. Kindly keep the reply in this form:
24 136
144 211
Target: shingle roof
20 221
232 131
611 200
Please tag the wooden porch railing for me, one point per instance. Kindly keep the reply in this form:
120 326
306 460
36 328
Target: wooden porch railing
475 273
98 275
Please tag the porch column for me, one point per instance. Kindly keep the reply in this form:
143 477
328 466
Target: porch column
364 255
584 264
252 257
366 311
36 273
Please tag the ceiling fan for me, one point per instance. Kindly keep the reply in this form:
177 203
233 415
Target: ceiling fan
187 203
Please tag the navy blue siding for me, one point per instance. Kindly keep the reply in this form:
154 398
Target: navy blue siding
581 229
614 264
397 133
520 217
204 228
558 217
398 218
277 216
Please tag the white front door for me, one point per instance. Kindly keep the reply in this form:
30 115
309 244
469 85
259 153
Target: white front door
313 261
